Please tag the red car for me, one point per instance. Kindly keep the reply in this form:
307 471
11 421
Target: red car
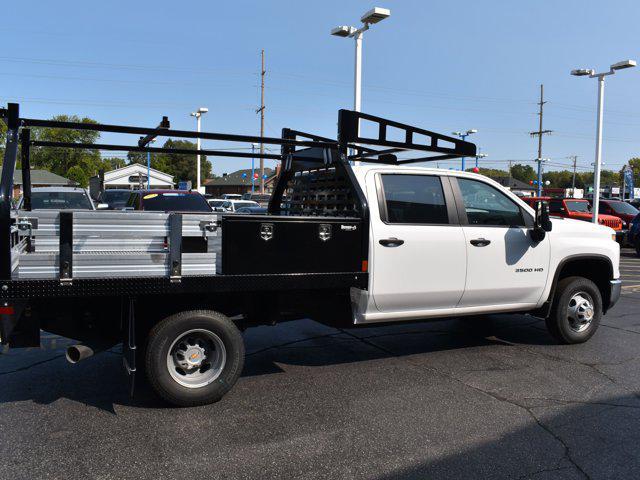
578 209
623 210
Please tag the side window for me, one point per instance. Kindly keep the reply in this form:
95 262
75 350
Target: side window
415 199
555 206
486 205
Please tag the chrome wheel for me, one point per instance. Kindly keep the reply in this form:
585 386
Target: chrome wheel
580 311
196 358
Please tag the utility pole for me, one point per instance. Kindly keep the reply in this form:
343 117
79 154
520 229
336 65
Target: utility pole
510 166
539 134
261 110
573 182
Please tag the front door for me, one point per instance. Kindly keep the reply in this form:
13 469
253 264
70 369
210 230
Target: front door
418 252
505 266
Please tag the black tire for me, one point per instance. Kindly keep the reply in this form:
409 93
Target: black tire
164 334
559 323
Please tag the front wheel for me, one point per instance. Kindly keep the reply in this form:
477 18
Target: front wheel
576 311
194 357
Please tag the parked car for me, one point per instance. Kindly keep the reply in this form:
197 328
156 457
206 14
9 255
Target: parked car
261 198
215 202
59 198
634 201
253 210
579 209
620 209
115 199
167 201
232 206
633 237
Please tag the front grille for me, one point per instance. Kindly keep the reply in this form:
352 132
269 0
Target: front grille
616 224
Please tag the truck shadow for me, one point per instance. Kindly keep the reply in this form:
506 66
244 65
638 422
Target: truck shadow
44 376
309 343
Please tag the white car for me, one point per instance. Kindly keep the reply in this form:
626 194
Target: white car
59 198
232 206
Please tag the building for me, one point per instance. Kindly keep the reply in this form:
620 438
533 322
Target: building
39 178
516 186
130 177
239 182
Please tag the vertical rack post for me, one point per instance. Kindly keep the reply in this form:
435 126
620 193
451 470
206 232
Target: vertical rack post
25 148
6 188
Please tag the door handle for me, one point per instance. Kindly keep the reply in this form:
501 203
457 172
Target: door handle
391 242
480 242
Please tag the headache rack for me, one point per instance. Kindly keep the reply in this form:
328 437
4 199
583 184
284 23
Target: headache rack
315 180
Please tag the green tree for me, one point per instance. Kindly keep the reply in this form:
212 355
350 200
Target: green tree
181 165
524 173
61 160
78 175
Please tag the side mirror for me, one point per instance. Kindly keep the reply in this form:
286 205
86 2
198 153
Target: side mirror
102 206
542 223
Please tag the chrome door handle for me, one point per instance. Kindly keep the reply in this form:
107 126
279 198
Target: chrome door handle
391 242
480 242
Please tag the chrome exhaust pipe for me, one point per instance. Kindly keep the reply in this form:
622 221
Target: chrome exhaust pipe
76 353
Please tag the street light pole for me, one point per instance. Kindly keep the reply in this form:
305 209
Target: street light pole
373 16
463 136
253 168
198 115
598 163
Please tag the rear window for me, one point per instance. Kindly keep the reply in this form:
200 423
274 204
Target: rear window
115 199
60 201
175 202
417 199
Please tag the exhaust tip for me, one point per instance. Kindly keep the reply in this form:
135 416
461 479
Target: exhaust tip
76 353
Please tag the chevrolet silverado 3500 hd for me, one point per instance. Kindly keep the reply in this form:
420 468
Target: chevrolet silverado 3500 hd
383 241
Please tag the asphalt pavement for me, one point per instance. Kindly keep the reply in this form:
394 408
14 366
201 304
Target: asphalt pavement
435 400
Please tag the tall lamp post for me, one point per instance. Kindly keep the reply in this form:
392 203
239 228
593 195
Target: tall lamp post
479 156
198 114
149 166
591 73
463 136
372 17
253 168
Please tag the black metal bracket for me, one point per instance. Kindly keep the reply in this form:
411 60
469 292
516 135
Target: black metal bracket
65 259
415 139
129 343
149 137
175 247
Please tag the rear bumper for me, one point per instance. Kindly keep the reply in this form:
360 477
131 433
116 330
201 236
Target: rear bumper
616 289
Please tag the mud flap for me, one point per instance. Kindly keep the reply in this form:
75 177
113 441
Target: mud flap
129 343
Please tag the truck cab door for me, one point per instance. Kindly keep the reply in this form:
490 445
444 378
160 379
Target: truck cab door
505 267
417 254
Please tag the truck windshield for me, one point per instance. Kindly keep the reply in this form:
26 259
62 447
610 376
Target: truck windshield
623 207
577 206
175 202
60 201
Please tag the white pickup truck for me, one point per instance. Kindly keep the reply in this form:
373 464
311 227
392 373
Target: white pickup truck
352 245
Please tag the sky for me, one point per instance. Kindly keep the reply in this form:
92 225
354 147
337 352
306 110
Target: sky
442 66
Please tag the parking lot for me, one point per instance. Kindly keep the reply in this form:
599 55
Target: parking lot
445 399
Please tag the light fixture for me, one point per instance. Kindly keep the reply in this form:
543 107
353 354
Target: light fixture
342 31
623 64
581 72
375 15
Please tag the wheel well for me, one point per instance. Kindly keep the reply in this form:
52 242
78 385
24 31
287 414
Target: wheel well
596 269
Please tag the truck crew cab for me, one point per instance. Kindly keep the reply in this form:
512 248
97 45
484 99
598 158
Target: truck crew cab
383 241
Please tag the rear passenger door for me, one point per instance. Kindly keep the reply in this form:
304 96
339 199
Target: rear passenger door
418 252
